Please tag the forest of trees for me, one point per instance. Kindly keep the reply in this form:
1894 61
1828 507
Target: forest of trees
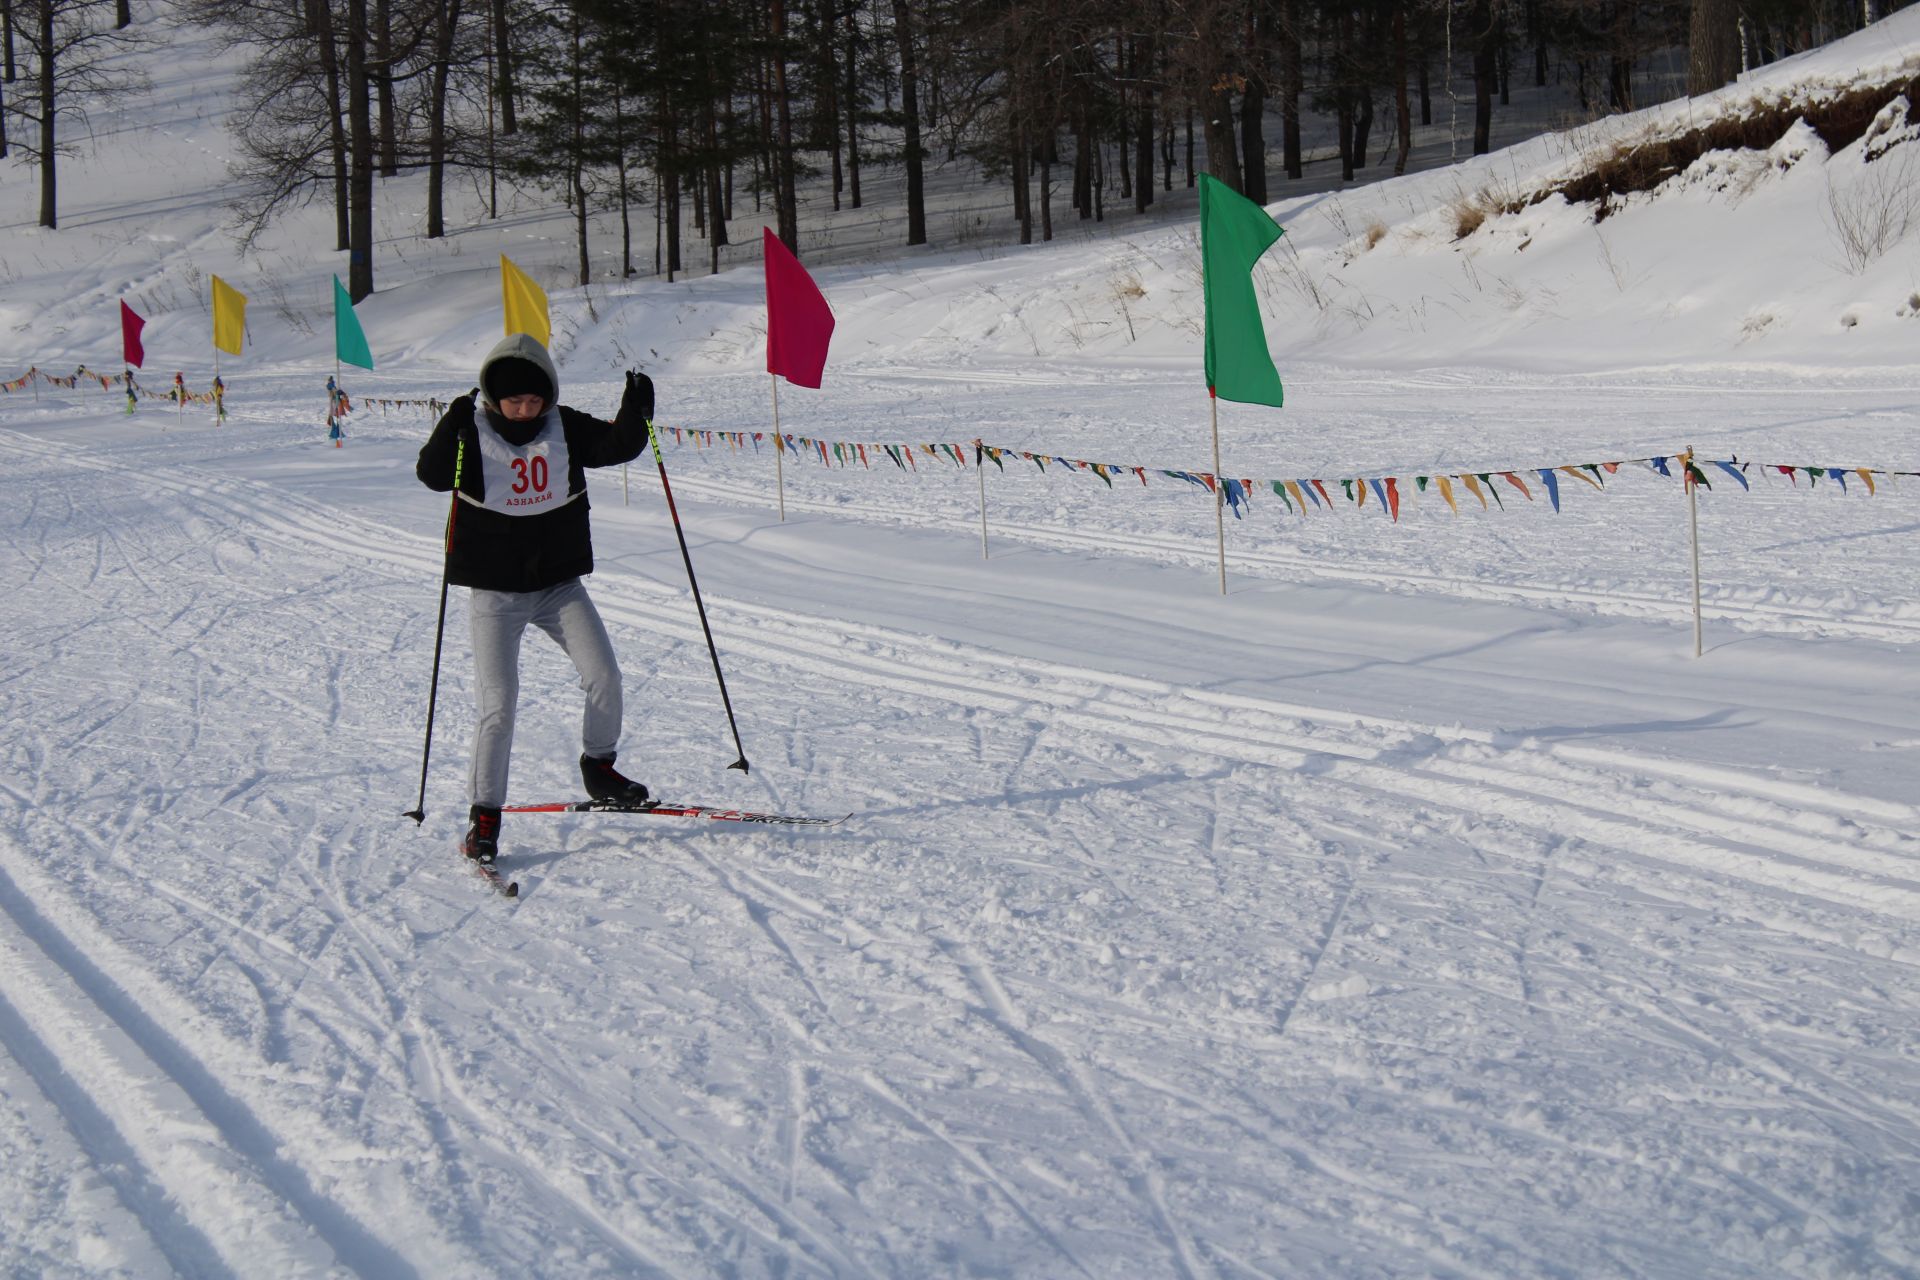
671 113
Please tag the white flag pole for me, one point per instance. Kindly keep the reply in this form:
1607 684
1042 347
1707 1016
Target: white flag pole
980 465
1693 530
1219 491
779 448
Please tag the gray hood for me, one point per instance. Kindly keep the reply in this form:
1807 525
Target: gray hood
526 347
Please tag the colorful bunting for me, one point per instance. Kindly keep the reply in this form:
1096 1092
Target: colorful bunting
1300 495
1552 486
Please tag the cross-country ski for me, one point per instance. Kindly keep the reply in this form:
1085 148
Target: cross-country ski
662 809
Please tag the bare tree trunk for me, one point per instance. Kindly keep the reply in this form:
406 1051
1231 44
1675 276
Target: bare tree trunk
1620 61
493 168
320 24
670 179
49 206
1504 62
1291 86
853 109
1123 119
910 108
1484 48
382 74
1713 45
1083 165
503 62
1189 144
360 165
1253 142
620 172
1143 129
786 201
1022 183
1046 188
576 153
1253 107
1343 126
578 171
12 69
580 216
827 73
716 205
763 163
1099 181
1402 114
447 13
1223 158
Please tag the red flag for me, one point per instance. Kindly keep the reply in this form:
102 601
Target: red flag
130 326
799 322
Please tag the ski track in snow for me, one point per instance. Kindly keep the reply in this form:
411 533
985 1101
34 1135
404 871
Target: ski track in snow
1280 987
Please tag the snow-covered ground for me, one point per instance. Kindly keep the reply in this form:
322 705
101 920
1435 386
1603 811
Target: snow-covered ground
1420 907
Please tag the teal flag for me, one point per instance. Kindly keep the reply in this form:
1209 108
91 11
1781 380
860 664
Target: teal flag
1234 232
349 340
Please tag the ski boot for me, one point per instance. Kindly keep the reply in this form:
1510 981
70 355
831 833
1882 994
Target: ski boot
483 837
607 785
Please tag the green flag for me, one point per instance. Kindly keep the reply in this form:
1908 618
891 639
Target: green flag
1234 232
349 339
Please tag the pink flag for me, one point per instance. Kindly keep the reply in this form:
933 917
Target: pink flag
130 326
799 322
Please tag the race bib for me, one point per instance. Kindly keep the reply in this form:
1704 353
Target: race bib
523 479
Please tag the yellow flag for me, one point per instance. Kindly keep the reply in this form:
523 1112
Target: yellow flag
229 317
524 303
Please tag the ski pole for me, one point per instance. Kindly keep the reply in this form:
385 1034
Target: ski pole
741 763
419 812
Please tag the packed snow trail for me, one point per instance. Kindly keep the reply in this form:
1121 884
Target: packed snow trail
1118 969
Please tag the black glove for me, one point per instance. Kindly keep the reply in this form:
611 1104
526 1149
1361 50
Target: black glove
639 395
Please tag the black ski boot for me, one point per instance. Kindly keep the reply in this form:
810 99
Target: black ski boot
607 785
483 837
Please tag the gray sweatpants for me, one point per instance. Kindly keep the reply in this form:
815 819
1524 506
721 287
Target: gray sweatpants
498 619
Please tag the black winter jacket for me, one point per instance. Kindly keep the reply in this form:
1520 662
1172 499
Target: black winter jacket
496 551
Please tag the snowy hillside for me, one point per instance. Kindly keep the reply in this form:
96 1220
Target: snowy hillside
1421 906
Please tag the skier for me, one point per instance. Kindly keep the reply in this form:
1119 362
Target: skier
519 538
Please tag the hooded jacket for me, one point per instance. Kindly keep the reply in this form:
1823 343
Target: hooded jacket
530 531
